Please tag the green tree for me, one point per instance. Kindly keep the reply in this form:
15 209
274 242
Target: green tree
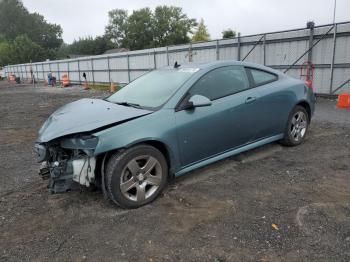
46 35
167 25
117 24
63 51
5 53
24 50
228 33
201 34
139 30
25 36
86 46
102 44
171 26
15 20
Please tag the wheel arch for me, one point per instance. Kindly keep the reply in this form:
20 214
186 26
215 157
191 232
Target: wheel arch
160 145
307 107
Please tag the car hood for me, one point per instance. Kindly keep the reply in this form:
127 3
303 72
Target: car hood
86 115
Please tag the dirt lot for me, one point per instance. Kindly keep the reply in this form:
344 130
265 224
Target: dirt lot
223 212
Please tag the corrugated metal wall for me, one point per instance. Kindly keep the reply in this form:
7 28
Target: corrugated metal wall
280 50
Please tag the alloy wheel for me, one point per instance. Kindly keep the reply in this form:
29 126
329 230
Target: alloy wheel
141 178
298 126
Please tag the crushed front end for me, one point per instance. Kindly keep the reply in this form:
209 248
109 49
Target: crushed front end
67 160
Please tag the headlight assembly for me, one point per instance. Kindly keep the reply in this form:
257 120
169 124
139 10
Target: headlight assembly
86 142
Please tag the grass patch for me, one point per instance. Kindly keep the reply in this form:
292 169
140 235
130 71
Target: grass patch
104 87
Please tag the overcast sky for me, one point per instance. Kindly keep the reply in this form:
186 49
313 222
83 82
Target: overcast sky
81 18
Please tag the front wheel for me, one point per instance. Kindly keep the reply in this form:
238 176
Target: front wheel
136 176
297 126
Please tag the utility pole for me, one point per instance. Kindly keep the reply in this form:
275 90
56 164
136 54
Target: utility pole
334 10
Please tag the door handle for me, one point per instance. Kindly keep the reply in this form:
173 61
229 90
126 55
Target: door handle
250 99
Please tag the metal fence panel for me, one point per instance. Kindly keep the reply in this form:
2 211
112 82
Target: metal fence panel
120 77
342 47
118 63
161 60
340 76
322 53
322 80
101 77
142 62
330 55
285 53
74 76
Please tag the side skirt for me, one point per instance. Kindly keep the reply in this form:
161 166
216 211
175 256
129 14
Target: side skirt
226 154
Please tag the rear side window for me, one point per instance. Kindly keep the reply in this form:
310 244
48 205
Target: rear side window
221 82
262 77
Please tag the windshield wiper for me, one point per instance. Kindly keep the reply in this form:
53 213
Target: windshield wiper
128 104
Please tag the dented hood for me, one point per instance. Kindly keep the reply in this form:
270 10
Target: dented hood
86 115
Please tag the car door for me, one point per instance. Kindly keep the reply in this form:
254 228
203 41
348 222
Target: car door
227 123
274 103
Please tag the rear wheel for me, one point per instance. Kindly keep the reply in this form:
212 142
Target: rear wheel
136 176
297 126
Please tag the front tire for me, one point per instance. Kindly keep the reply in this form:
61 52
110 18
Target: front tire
297 127
136 176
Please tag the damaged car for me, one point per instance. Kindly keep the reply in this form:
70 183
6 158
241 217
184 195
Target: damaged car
168 122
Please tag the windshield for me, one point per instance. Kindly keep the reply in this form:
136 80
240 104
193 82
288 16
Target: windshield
152 89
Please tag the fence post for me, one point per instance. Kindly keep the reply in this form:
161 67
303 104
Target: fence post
37 73
68 69
109 70
59 73
92 71
190 53
217 50
128 64
43 71
239 46
264 49
167 55
79 72
311 26
50 67
21 72
154 59
333 58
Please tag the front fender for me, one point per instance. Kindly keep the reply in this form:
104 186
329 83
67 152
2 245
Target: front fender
158 127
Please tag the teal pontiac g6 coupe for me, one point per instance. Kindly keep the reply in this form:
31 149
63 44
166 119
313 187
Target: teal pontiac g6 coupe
168 122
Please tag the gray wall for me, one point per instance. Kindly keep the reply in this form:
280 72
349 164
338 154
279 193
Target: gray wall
280 50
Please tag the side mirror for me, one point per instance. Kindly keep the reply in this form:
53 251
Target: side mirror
197 101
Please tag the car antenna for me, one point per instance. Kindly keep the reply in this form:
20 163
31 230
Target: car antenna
176 65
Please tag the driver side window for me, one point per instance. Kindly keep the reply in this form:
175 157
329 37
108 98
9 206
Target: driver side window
221 82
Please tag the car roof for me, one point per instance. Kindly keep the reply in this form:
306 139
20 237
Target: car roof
220 63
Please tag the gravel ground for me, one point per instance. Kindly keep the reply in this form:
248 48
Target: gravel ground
224 212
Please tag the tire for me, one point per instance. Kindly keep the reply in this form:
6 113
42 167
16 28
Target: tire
297 127
136 176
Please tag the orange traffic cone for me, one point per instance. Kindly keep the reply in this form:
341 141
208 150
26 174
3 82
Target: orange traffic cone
86 85
113 88
343 101
12 79
65 80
